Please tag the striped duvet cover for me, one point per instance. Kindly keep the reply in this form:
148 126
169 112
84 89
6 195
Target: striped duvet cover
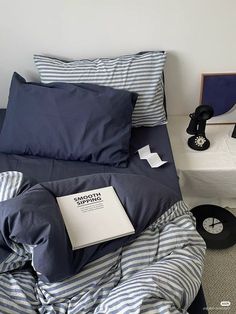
159 272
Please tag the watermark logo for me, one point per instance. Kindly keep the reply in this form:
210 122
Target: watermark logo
225 303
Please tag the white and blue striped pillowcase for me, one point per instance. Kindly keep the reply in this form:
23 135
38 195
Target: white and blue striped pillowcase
140 73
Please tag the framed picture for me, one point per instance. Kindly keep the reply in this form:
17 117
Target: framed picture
219 91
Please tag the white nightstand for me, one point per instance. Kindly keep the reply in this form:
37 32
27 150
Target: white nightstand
208 176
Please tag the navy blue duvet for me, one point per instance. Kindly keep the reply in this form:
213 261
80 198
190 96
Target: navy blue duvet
33 218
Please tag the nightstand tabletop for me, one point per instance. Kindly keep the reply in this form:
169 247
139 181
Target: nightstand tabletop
208 175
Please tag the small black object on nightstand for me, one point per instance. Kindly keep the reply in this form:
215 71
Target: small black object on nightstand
216 225
197 127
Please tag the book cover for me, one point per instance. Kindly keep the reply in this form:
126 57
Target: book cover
94 216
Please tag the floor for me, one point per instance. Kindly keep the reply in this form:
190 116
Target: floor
219 279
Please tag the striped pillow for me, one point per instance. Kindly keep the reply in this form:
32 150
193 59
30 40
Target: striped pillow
140 73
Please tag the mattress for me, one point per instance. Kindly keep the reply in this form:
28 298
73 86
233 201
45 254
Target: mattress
44 169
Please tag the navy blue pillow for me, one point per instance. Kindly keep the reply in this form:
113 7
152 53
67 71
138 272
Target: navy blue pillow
66 121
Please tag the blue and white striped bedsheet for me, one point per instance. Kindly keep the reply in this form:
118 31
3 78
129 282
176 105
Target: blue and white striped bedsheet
10 182
160 272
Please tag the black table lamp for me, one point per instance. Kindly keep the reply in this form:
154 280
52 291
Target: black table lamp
197 127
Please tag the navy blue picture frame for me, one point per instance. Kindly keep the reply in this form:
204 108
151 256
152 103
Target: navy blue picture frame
219 91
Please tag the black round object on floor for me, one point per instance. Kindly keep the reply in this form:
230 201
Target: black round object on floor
216 225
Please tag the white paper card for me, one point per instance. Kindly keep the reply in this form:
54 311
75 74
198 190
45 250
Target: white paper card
153 159
144 152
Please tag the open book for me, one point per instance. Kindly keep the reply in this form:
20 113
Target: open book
94 216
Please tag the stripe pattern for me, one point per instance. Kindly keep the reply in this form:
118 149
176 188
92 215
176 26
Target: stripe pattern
140 73
159 272
10 184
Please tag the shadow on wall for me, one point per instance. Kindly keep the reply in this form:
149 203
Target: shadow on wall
177 90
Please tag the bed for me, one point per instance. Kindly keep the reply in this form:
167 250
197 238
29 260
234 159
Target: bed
135 276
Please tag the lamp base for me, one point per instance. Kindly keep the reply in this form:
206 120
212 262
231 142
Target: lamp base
198 142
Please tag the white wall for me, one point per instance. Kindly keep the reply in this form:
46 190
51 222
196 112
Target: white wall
199 35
